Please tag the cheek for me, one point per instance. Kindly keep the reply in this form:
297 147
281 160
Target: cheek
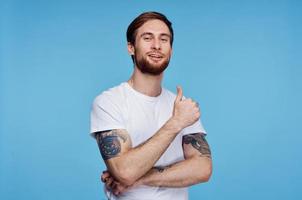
169 53
140 52
168 49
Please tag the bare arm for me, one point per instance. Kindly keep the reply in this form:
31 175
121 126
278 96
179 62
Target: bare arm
196 168
127 164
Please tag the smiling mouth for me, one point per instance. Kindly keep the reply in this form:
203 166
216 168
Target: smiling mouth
155 56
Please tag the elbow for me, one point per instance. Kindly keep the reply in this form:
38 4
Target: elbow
206 172
122 172
207 175
127 179
124 176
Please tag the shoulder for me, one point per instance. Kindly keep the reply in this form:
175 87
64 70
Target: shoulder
168 94
111 95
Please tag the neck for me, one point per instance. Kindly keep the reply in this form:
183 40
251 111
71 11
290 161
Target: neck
149 85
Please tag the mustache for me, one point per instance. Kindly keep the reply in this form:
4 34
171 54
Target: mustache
155 52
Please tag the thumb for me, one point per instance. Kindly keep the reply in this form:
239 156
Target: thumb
179 94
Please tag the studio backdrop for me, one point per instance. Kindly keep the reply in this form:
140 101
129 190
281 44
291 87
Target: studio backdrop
241 60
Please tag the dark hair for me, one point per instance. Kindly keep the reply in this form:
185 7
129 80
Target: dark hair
143 18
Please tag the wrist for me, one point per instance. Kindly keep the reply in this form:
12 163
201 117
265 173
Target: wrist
175 124
147 178
139 182
142 181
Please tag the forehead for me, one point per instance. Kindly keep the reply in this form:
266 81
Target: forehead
154 26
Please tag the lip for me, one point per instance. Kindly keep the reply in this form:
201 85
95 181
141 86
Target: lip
155 56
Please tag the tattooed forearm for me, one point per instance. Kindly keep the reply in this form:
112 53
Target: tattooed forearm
198 141
109 143
161 169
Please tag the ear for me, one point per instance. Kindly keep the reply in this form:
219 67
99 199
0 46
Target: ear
130 48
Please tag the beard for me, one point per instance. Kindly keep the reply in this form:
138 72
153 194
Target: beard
148 68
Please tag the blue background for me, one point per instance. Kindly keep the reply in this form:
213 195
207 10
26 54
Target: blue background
240 59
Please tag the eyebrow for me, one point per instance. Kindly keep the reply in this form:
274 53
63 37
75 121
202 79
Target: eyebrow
149 33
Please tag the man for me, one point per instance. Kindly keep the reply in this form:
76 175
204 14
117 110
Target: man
151 140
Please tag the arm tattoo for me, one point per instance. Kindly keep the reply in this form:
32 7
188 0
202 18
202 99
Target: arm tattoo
109 143
198 141
161 169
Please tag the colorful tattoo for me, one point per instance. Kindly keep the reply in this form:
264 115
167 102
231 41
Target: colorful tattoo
109 143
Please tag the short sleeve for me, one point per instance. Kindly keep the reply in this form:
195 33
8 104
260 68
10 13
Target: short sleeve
197 127
106 114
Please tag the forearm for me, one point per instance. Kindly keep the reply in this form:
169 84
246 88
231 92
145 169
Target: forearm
138 161
182 174
128 164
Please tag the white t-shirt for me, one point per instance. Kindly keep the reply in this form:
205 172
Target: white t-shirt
122 107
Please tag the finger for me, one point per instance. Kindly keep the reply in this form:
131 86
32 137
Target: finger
120 188
102 178
117 189
179 93
106 173
116 192
124 189
113 186
110 185
109 182
105 176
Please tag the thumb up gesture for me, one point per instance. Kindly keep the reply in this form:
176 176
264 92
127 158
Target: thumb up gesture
186 111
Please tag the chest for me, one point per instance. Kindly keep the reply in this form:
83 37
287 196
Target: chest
144 119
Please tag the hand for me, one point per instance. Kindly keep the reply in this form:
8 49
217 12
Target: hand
186 111
112 185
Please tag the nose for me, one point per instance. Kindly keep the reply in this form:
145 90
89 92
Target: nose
156 44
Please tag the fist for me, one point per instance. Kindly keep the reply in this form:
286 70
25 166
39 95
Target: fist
112 185
186 111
